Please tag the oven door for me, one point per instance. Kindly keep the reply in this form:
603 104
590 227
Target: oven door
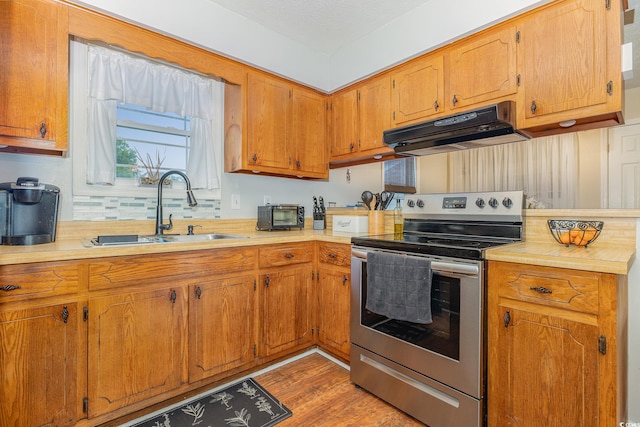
449 350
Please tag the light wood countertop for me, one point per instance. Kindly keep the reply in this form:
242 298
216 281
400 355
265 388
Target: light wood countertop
613 252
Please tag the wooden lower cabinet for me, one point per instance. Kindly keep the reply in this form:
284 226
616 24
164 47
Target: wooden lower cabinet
136 347
222 320
287 309
552 347
333 298
39 366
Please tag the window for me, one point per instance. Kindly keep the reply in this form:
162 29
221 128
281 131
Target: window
400 175
128 110
149 144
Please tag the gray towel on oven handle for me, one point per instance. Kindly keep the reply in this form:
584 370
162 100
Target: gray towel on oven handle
399 286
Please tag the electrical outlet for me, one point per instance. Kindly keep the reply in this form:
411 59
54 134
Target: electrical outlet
267 200
235 201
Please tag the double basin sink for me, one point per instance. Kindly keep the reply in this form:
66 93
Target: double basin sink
132 239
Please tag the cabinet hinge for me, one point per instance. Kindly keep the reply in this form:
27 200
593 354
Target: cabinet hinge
313 275
518 36
313 331
85 405
610 88
607 4
255 284
602 344
85 313
173 296
394 115
358 95
65 314
393 83
255 349
518 80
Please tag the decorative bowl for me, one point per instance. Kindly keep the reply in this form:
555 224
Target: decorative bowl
573 232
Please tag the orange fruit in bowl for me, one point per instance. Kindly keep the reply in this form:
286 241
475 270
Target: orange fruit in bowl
565 238
583 237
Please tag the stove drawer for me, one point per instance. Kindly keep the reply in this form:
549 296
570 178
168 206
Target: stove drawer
562 288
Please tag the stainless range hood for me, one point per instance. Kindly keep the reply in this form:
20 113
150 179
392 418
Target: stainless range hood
489 125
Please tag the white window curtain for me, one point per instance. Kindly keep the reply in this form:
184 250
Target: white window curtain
546 169
115 77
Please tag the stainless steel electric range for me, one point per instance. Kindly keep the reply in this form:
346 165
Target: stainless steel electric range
434 369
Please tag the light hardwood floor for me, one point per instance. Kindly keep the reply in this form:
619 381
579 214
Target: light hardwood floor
319 393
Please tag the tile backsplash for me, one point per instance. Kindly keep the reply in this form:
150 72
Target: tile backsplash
91 208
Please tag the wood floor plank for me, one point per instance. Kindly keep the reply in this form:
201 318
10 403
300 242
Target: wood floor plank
320 393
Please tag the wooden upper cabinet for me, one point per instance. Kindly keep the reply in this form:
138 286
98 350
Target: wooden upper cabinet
359 116
344 121
308 134
570 62
34 76
269 117
418 90
481 69
286 128
373 113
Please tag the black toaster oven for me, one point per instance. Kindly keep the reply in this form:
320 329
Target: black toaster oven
280 217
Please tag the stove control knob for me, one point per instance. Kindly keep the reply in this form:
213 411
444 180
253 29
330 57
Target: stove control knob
507 202
411 203
480 202
493 202
420 203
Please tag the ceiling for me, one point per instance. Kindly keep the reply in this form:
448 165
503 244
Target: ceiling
327 25
322 25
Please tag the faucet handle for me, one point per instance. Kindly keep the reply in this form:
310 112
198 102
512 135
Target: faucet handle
169 226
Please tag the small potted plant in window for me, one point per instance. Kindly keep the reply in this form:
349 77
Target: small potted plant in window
151 175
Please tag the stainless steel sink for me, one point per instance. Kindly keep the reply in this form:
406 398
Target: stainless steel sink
126 240
201 237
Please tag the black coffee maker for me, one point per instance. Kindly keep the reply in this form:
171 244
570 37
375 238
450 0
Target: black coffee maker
28 212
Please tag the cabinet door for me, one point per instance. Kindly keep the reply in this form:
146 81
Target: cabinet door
38 366
418 90
482 69
269 117
33 73
221 326
286 309
308 134
564 57
546 368
374 113
136 347
344 120
334 298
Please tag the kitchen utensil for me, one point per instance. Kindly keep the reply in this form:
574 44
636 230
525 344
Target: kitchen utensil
573 232
367 197
378 200
387 196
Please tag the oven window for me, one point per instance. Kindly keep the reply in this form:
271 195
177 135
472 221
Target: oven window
442 336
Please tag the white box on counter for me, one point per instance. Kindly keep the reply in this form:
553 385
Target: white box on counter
350 223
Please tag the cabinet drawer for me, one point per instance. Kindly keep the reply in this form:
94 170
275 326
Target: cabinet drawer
127 271
39 280
569 289
286 254
334 254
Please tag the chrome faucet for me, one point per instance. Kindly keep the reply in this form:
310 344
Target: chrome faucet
191 199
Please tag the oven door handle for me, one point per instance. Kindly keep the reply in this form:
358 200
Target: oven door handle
436 266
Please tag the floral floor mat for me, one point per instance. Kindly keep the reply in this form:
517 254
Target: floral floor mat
243 404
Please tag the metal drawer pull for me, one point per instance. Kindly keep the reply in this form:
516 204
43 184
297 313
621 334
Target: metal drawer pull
288 255
8 288
541 290
333 256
